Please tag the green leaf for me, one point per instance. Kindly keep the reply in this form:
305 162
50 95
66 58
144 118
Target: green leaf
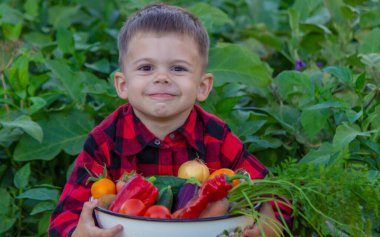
102 65
314 120
264 143
373 146
211 17
65 40
231 63
345 134
61 132
335 8
18 75
62 16
360 82
263 13
342 73
6 201
370 18
31 8
42 207
25 123
38 104
325 105
371 60
9 135
286 116
353 116
227 104
41 194
370 42
9 14
322 155
21 178
249 127
295 87
43 224
38 39
71 83
12 32
6 223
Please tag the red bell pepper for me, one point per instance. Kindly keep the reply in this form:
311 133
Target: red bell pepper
212 190
136 187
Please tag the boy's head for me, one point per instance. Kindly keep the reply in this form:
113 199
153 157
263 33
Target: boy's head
163 19
163 58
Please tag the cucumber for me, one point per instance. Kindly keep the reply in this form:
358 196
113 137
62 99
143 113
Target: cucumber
165 197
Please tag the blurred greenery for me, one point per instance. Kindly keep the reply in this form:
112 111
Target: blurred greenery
293 78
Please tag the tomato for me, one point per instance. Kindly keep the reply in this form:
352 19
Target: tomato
133 207
227 172
158 211
123 179
119 185
101 187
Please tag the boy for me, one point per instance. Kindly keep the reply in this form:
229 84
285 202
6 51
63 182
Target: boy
163 55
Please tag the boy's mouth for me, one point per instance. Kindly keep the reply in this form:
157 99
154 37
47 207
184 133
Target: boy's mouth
161 96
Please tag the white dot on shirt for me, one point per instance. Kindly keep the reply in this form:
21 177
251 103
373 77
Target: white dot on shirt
157 142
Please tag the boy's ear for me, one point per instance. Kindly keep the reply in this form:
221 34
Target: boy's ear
205 87
121 85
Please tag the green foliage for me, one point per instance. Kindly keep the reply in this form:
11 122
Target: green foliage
331 200
293 78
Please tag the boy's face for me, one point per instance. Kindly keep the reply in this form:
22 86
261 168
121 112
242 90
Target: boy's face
163 76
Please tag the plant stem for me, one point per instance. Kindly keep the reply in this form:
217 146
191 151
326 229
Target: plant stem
371 100
5 94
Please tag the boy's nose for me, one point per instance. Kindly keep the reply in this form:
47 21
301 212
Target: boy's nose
162 77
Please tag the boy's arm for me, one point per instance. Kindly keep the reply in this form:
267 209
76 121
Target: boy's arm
75 193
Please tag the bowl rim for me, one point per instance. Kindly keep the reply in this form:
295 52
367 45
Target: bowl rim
204 219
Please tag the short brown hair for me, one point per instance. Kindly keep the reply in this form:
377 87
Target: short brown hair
162 18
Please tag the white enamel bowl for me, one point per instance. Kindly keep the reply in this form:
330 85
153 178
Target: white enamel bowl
135 226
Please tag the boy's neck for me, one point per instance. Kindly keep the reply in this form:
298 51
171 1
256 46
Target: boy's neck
162 127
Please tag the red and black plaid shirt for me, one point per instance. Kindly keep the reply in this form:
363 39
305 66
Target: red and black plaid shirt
123 143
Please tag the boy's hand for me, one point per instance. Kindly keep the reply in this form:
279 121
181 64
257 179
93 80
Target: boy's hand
86 226
271 229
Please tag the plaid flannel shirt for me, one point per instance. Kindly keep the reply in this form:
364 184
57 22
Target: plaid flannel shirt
123 143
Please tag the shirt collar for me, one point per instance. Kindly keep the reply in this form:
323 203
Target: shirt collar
134 136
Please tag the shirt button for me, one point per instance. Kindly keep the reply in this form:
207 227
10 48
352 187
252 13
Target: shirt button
157 142
172 136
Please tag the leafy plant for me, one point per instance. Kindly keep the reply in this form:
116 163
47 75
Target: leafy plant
328 200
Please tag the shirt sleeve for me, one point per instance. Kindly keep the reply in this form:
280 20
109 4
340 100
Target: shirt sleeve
76 192
240 159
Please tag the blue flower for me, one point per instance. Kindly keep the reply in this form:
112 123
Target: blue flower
300 65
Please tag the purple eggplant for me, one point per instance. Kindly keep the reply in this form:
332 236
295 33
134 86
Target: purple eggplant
185 194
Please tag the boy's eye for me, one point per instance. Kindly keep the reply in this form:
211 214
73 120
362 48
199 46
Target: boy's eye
145 68
179 69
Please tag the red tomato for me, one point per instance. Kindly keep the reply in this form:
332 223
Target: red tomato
158 211
133 207
119 185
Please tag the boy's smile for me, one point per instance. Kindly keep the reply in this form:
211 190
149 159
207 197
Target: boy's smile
163 77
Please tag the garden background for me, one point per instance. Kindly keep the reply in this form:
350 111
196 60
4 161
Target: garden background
297 80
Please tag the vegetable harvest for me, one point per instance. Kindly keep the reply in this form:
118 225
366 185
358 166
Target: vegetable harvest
326 200
136 187
212 190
